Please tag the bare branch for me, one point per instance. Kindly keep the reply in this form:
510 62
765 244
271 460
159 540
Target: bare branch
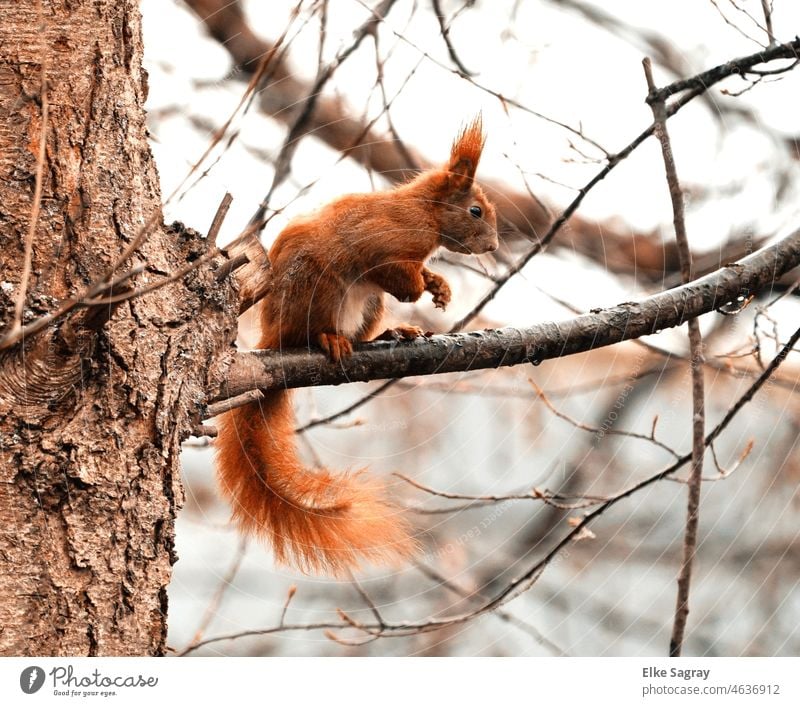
290 594
595 430
377 392
497 348
696 353
444 31
368 600
732 24
231 266
219 218
703 81
230 403
179 274
767 10
553 499
503 615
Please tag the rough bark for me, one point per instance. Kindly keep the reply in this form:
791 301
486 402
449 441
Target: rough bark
92 410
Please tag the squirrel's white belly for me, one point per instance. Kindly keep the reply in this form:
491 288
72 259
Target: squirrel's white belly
351 312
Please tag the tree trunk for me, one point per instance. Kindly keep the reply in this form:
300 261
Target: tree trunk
93 408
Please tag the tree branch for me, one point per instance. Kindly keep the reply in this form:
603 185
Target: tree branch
476 350
444 31
696 366
742 65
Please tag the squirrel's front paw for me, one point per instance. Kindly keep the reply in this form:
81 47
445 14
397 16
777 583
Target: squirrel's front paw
335 346
437 285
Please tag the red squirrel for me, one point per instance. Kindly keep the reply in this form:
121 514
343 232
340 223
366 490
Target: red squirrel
329 272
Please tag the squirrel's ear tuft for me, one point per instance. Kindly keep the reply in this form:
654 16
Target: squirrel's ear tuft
465 155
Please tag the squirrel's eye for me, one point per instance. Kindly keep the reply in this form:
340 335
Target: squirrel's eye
476 211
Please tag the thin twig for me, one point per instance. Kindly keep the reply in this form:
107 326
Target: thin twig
732 24
219 594
347 410
19 305
368 600
223 406
233 264
545 496
596 430
289 596
765 6
219 217
153 286
725 472
444 31
696 353
200 431
735 67
117 280
505 616
179 274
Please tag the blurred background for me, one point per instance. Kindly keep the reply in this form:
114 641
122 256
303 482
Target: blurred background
561 89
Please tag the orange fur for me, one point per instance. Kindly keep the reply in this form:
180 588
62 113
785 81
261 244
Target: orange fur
329 272
468 147
314 520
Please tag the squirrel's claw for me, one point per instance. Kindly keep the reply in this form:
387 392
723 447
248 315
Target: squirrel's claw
335 346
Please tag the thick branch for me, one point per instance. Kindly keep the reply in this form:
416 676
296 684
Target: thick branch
511 346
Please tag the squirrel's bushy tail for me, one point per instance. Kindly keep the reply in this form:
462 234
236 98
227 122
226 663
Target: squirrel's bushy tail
314 520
